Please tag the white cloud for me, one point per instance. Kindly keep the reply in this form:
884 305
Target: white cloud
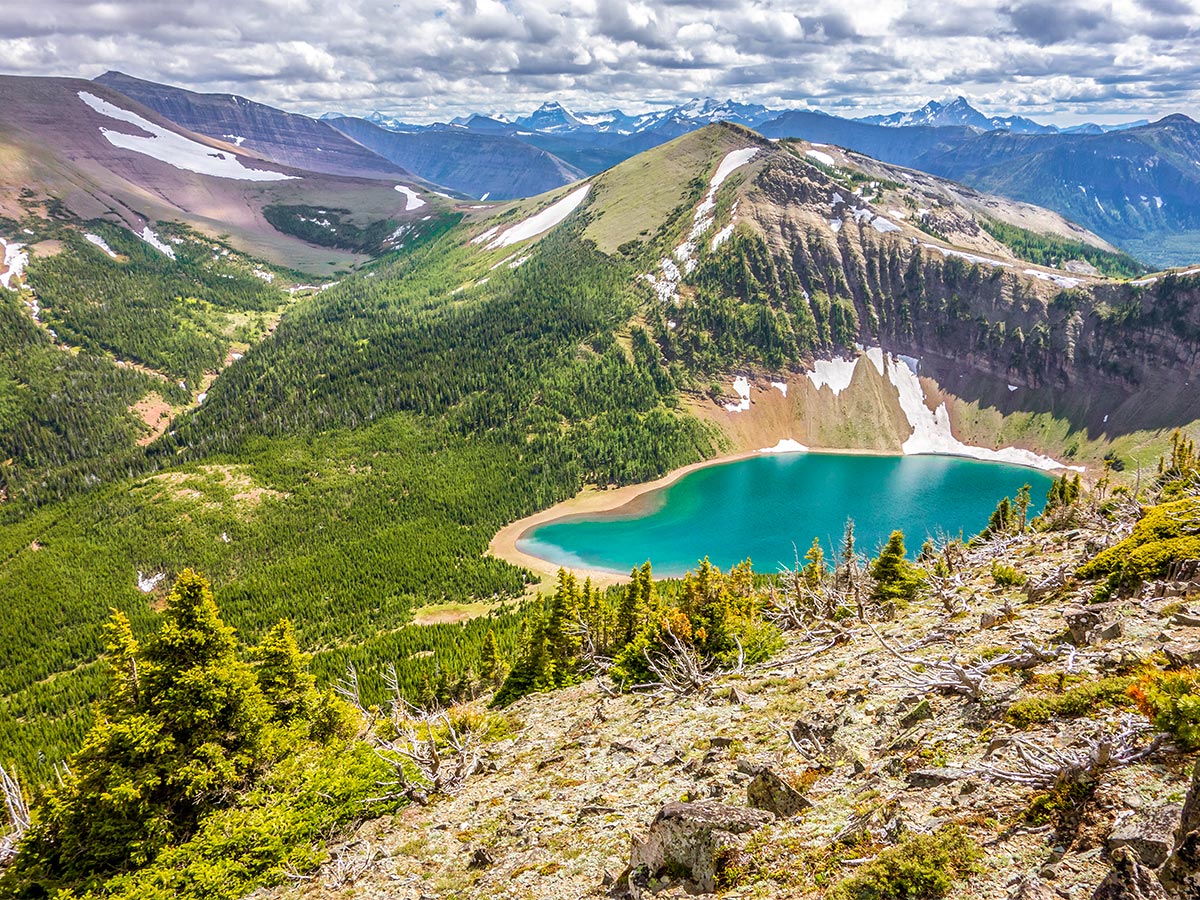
427 59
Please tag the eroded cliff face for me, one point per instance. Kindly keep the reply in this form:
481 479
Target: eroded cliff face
996 337
990 312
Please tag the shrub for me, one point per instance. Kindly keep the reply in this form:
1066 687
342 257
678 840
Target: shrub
1171 700
1006 575
1070 704
1165 535
922 867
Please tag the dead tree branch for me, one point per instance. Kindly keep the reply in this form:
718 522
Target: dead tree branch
1048 767
17 811
427 742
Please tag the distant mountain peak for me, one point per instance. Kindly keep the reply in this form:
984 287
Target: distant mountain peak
957 113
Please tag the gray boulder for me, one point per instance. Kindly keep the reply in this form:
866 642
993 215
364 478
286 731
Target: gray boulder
768 791
1150 834
1129 880
696 839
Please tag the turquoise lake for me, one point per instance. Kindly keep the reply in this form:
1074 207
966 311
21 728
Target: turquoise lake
771 506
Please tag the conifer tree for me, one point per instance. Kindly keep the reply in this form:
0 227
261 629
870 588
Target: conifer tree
1001 519
181 730
1023 501
895 577
814 564
491 666
283 677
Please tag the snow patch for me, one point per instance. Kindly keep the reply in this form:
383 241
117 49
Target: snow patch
931 428
883 226
100 242
1060 280
172 148
722 236
15 260
821 157
1011 388
742 387
542 222
412 200
152 239
780 386
147 583
875 355
835 225
785 445
834 374
969 257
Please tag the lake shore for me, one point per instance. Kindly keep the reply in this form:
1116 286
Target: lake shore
592 500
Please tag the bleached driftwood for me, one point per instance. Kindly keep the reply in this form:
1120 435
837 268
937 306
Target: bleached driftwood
1046 767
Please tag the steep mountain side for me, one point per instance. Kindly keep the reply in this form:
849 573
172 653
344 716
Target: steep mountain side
287 138
481 165
1137 188
83 150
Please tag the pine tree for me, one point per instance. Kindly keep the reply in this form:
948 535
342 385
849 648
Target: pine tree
1001 519
814 571
491 666
895 577
181 731
124 681
1023 501
637 603
562 634
283 676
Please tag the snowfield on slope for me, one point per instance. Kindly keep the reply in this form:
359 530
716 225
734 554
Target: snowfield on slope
412 200
101 243
667 286
931 428
172 148
540 223
15 258
834 374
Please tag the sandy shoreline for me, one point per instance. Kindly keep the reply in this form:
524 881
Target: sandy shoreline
594 500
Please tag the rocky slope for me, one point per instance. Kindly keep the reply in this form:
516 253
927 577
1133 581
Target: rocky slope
499 167
287 138
843 740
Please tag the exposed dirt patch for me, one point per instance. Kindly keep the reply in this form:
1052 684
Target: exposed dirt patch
449 613
155 413
215 484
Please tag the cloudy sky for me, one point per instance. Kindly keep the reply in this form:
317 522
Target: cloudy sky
1057 60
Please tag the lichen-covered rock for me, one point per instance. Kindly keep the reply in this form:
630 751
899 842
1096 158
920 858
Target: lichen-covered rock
1129 880
1149 834
769 792
693 840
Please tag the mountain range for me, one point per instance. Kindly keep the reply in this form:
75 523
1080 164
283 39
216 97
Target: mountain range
1134 184
342 395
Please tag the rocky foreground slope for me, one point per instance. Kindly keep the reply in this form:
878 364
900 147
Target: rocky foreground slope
986 741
